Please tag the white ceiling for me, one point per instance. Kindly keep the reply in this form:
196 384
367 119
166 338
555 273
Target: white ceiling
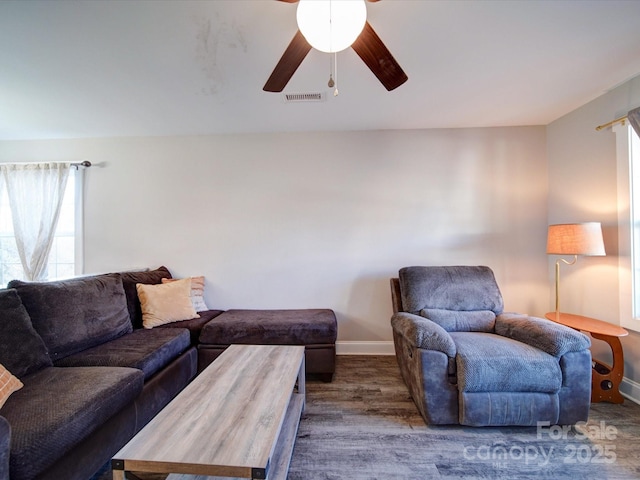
128 68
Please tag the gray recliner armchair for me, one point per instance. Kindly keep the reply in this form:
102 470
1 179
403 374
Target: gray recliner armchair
467 362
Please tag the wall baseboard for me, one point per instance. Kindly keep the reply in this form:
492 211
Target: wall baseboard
364 348
630 389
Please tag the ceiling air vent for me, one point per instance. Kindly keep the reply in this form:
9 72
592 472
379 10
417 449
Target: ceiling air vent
303 97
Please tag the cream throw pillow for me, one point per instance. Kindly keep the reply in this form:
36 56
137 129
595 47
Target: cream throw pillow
197 292
8 384
166 302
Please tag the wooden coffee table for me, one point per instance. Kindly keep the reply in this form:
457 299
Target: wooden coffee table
238 418
605 379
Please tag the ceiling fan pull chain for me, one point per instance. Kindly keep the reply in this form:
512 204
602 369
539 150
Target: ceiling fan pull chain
331 83
335 69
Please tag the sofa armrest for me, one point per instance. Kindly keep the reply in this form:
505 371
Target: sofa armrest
5 442
423 333
548 336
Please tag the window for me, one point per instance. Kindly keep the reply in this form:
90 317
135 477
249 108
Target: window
634 193
65 258
628 157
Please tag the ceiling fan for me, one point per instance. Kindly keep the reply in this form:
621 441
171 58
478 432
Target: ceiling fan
367 45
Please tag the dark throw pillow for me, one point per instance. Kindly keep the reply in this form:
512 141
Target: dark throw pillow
22 350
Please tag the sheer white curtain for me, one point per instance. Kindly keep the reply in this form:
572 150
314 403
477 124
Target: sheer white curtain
35 194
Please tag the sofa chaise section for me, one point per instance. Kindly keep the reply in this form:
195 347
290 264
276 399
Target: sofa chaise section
316 329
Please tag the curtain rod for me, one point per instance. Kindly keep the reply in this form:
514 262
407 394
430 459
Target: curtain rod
85 164
612 123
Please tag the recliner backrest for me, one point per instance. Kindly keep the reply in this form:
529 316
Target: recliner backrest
459 298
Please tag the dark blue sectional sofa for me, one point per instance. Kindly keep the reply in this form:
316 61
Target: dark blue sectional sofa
92 376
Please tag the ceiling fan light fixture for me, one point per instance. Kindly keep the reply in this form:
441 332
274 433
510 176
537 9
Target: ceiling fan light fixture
331 25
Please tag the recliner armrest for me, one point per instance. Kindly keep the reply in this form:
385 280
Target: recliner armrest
5 442
548 336
423 333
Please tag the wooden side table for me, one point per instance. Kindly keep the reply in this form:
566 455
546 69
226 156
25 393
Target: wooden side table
605 380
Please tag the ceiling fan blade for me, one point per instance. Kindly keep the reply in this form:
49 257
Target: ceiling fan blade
296 1
378 58
288 64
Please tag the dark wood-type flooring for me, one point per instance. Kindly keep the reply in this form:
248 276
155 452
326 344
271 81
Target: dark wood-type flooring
364 425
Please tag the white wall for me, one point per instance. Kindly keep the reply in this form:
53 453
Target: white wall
319 219
583 187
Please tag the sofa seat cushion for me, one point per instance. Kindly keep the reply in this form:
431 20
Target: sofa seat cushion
147 350
194 325
59 407
487 362
283 327
75 314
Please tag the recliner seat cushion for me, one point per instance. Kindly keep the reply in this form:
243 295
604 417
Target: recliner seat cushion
278 327
147 350
463 288
490 363
75 314
59 407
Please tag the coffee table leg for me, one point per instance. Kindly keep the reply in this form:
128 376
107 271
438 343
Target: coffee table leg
118 475
301 382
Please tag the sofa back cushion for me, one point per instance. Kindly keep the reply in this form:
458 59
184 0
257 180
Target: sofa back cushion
434 290
129 281
75 314
22 350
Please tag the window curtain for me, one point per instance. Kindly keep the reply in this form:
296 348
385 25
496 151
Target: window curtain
35 193
634 119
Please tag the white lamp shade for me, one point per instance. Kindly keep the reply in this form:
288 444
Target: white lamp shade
331 25
575 239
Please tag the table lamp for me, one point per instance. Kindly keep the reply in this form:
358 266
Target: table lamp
573 239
